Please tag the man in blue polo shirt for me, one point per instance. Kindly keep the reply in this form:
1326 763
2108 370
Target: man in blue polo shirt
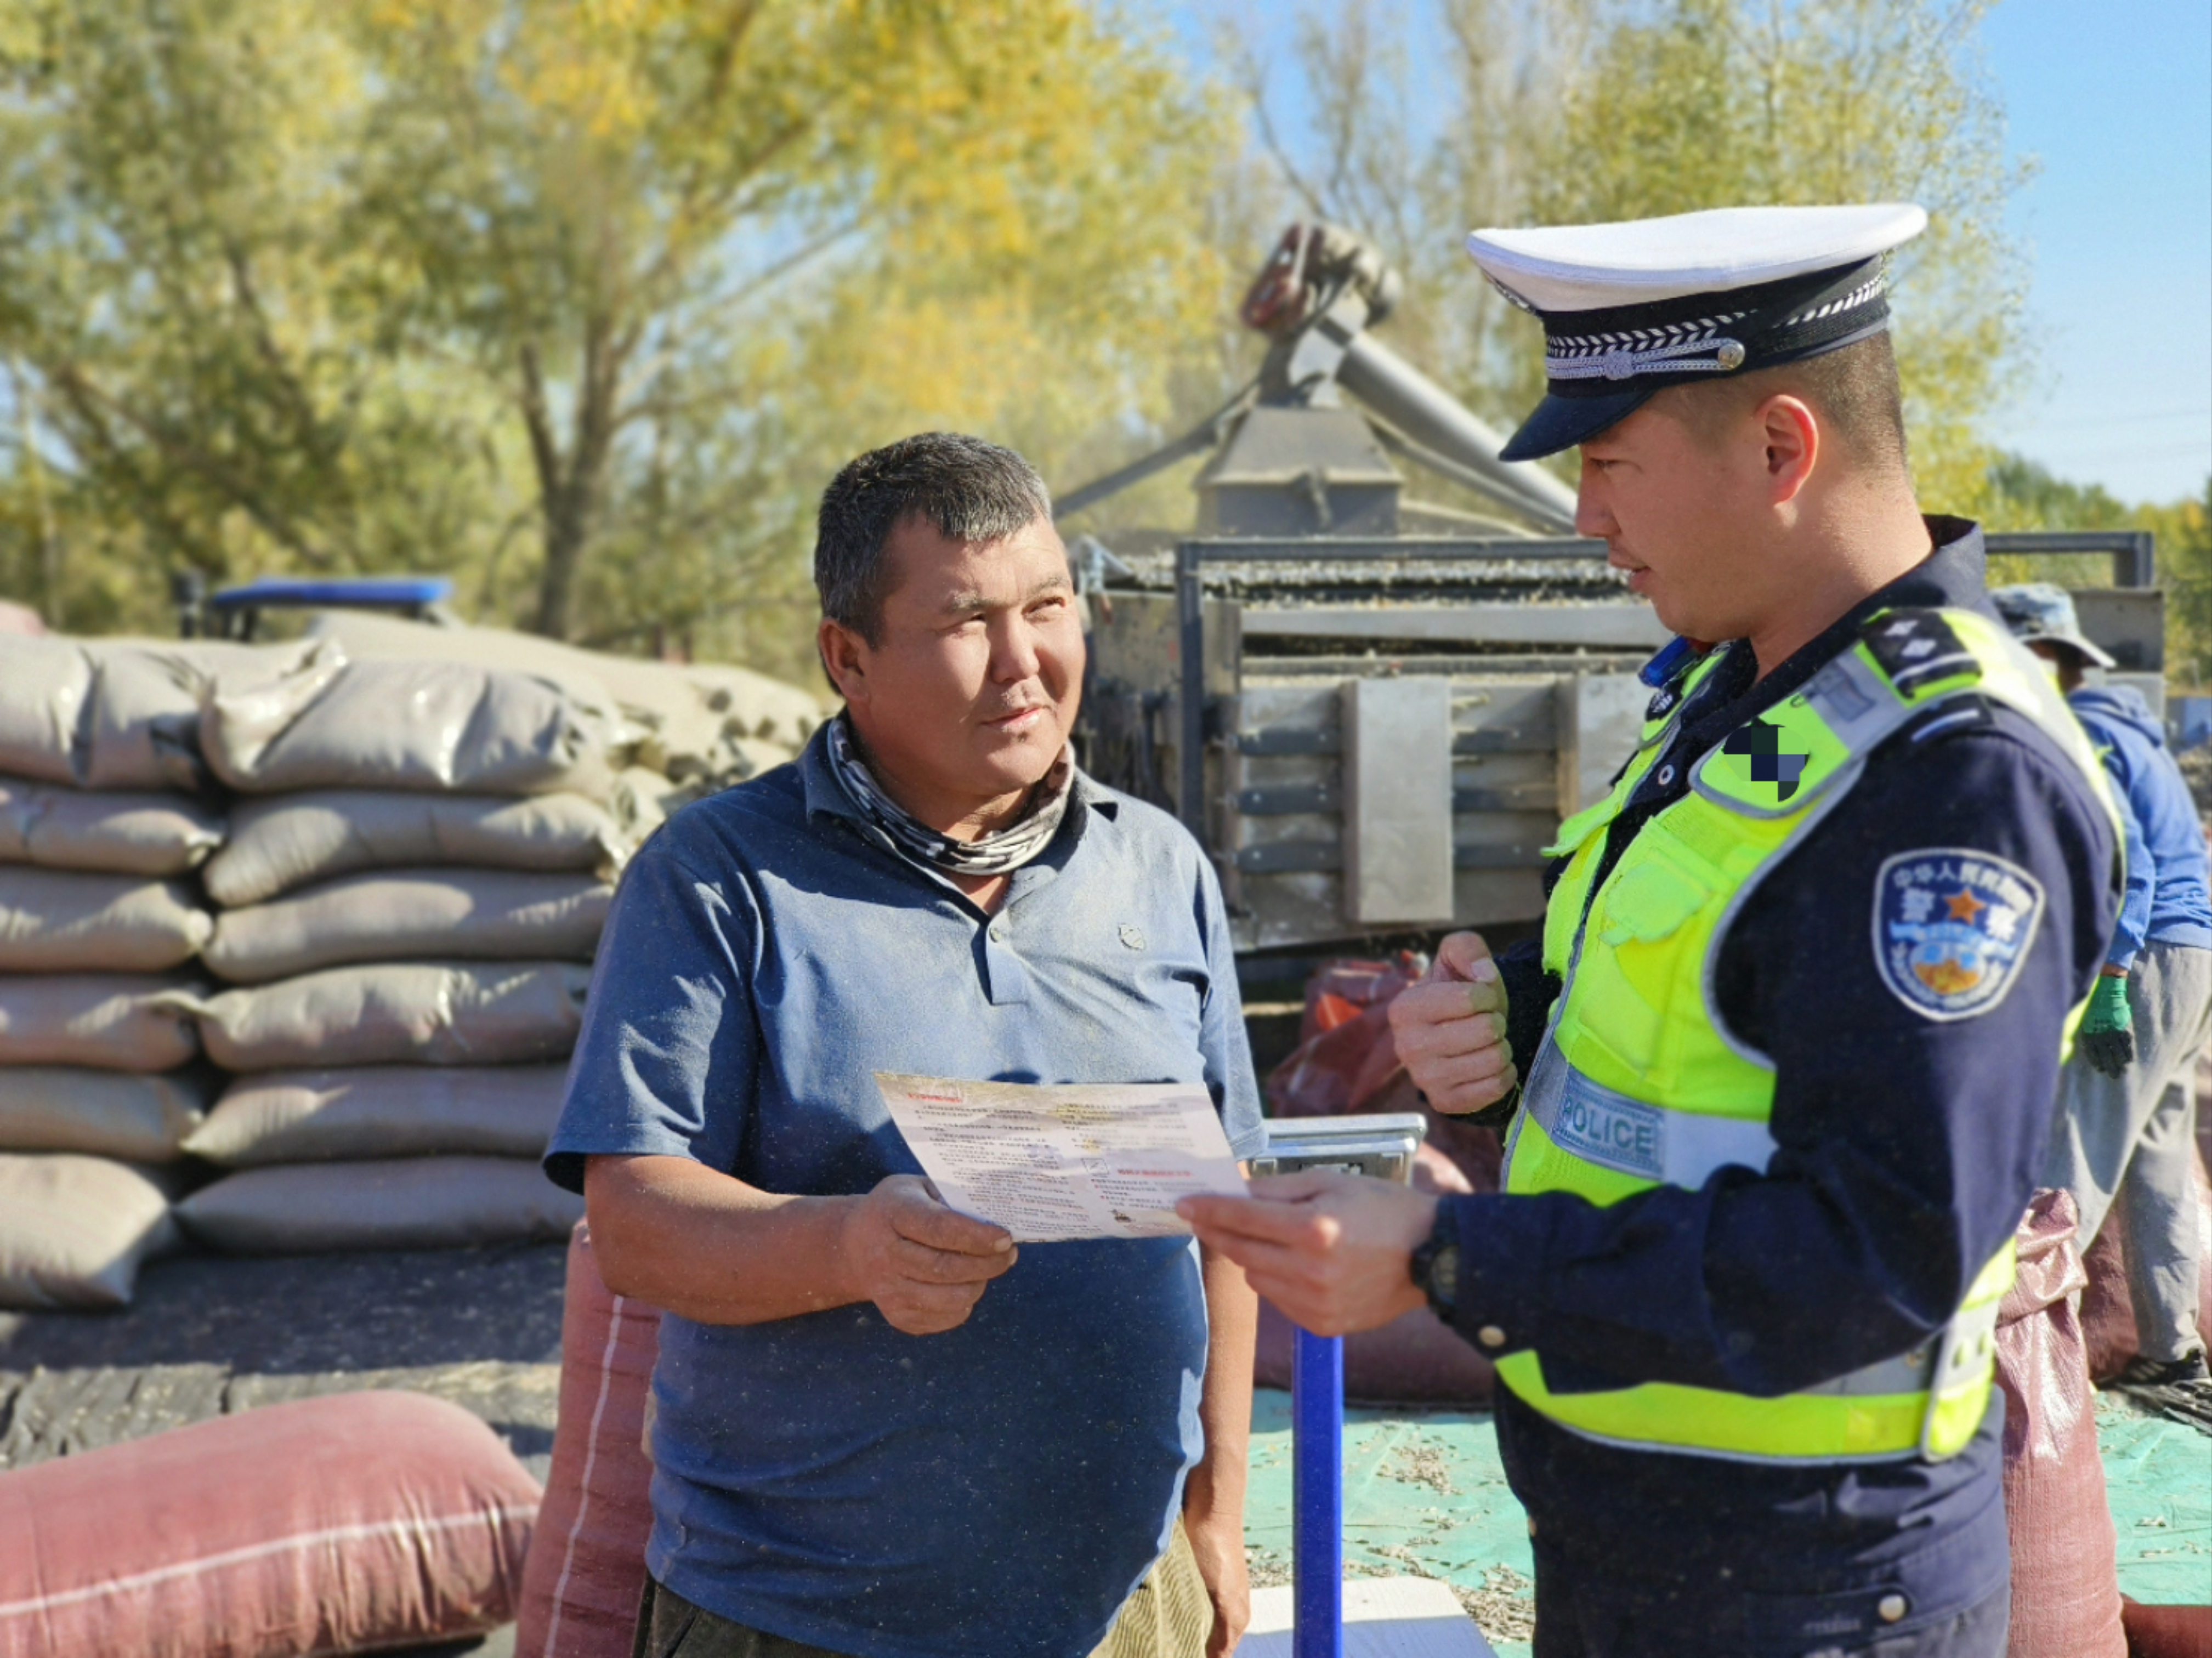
882 1431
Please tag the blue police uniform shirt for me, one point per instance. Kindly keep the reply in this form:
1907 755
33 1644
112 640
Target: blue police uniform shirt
995 1491
1907 1148
2166 900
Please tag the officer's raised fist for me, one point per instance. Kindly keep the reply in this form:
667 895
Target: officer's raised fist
1450 1028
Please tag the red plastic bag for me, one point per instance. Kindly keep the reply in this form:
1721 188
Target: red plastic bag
1344 1061
586 1568
2065 1581
1346 1064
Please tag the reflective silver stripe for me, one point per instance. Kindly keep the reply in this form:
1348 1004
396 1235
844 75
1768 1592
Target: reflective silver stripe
1856 703
1906 1374
1970 1341
1605 1127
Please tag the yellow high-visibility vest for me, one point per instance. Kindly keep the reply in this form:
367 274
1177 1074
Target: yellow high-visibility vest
1640 1084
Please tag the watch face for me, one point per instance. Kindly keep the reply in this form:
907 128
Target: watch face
1444 1276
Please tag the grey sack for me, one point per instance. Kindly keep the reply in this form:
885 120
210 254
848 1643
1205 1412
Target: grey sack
287 840
406 914
383 1111
322 722
406 1203
64 921
108 1021
399 1013
109 1114
124 833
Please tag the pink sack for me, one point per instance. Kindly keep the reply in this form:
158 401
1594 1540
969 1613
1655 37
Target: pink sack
328 1525
587 1571
2065 1582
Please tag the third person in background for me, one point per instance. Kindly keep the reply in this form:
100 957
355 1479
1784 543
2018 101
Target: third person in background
2127 1101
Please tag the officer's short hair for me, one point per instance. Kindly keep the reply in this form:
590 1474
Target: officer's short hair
1855 390
969 490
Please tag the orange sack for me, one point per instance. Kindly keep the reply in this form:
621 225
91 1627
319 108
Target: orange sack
341 1524
587 1571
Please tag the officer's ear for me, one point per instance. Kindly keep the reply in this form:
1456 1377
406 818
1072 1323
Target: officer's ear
1791 434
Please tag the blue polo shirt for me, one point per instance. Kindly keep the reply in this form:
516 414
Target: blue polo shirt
995 1491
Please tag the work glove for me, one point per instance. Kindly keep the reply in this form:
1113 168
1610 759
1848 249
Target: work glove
2108 1039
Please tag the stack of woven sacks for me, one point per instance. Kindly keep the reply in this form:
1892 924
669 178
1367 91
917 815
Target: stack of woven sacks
104 816
415 880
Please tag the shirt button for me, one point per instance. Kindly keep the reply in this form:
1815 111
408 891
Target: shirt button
1667 775
998 933
1532 1524
1490 1336
1892 1608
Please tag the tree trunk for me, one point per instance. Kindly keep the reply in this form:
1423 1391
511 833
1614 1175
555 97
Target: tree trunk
571 490
565 534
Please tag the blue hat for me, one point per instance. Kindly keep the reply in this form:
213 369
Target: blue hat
1629 309
2036 610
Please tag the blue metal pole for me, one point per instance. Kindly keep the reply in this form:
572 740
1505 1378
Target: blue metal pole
1317 1496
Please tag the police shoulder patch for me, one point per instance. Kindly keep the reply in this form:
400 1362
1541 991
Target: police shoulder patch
1951 928
1918 648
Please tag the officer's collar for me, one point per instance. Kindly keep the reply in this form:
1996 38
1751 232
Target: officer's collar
1950 577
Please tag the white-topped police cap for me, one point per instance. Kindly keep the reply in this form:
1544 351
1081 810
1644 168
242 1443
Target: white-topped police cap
1631 308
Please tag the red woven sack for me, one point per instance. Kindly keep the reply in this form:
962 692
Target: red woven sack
341 1524
2065 1581
2167 1632
586 1570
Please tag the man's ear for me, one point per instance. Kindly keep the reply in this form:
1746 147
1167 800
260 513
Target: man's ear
1791 434
844 657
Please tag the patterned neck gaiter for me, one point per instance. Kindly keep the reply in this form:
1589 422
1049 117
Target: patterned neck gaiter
897 830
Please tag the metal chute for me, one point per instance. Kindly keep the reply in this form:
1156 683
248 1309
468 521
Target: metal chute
1289 456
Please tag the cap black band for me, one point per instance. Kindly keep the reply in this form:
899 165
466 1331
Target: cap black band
1602 366
1674 342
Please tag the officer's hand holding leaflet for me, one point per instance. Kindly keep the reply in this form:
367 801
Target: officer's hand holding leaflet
1329 1249
2107 1037
1450 1028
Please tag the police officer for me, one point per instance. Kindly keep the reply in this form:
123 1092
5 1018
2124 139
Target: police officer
1782 1066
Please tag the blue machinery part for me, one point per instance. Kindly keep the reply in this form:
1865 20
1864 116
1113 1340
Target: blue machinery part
1383 1147
1317 1496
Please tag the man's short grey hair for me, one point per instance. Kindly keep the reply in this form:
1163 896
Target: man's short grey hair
969 490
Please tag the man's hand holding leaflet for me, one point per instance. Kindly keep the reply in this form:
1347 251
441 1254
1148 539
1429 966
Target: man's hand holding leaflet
1053 1164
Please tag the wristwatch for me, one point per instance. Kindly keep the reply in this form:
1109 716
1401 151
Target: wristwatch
1435 1265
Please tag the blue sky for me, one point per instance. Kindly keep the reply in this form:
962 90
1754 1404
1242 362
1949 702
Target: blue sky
2114 101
